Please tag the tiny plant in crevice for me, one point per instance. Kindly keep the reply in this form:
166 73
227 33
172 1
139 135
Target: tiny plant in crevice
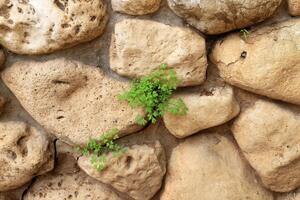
98 149
244 33
153 93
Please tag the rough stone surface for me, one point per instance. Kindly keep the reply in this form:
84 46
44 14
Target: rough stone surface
215 17
24 153
268 134
289 196
208 166
138 172
68 182
136 7
71 100
139 47
266 63
37 27
2 58
294 7
209 105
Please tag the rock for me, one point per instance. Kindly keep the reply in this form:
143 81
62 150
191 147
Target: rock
24 153
139 47
30 27
138 172
266 63
68 182
209 105
294 7
136 7
268 134
208 166
72 100
2 57
2 104
289 196
222 16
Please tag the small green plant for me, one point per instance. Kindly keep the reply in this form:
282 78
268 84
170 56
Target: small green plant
244 33
98 149
153 93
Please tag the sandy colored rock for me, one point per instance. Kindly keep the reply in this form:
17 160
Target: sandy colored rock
268 134
136 7
208 166
216 17
209 105
37 27
138 172
295 195
24 153
138 47
294 7
71 100
266 63
68 182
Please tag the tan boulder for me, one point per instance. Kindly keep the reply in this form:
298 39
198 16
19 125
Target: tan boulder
139 47
268 134
294 7
138 172
295 195
216 17
209 105
68 182
265 63
37 27
72 100
24 153
136 7
208 166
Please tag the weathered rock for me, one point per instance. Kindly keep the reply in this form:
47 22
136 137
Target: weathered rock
294 7
68 182
209 105
269 135
215 17
24 153
138 172
289 196
136 7
2 57
266 63
208 166
37 27
139 47
2 104
71 100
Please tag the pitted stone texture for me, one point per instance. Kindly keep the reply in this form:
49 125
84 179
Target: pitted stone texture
216 17
139 47
266 63
208 166
24 153
294 7
68 182
136 7
138 172
72 100
209 105
43 26
268 134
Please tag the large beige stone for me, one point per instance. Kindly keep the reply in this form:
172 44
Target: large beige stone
68 182
138 172
268 134
139 47
24 153
209 105
209 167
266 63
72 100
294 7
215 17
136 7
43 26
